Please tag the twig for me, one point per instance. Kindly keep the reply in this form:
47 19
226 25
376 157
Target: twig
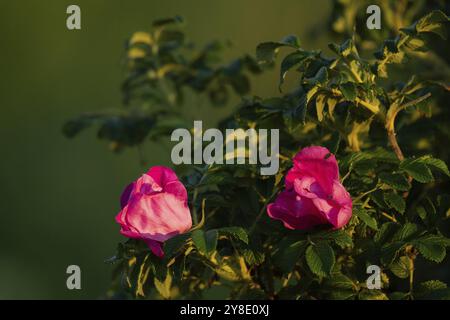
261 212
415 101
394 145
392 218
390 127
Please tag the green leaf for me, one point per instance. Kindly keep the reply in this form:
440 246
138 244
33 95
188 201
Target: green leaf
421 212
416 169
331 102
205 242
144 270
397 295
365 217
395 180
198 236
344 50
339 281
252 256
178 268
432 290
416 44
236 232
228 272
433 285
390 251
290 61
320 258
401 267
434 22
74 126
436 164
389 53
216 179
395 201
431 247
291 40
266 51
164 287
372 295
340 237
436 239
167 21
431 252
386 232
320 106
348 90
406 232
173 245
301 109
311 93
288 253
211 237
320 77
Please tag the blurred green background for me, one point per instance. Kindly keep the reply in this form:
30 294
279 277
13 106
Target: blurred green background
59 196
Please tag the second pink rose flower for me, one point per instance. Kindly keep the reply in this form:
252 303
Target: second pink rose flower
155 208
313 195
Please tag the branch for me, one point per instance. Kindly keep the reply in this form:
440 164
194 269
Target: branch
415 101
390 124
394 144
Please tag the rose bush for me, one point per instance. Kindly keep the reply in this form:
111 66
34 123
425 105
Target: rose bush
350 112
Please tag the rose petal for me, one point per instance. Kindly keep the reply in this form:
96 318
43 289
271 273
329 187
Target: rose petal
126 194
177 189
309 187
146 185
295 212
339 216
340 195
162 175
315 162
338 207
159 216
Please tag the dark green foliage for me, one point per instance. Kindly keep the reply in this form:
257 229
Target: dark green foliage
346 102
162 68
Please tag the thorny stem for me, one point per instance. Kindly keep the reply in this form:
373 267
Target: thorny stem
261 212
394 145
194 210
392 218
411 254
350 168
398 152
415 101
366 193
194 199
390 127
411 274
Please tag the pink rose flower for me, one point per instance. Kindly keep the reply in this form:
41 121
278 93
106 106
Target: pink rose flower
154 208
313 194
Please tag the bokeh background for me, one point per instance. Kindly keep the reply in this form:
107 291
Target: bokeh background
59 196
